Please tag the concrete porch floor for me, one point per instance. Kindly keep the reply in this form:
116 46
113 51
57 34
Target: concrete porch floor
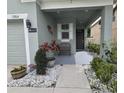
71 80
81 57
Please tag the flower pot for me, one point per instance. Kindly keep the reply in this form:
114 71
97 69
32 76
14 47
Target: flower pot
51 62
49 54
16 73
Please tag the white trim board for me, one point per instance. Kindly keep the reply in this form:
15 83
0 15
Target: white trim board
24 1
17 16
23 17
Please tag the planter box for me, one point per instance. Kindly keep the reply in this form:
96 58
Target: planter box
18 74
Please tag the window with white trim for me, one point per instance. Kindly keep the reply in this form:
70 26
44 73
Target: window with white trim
65 35
65 26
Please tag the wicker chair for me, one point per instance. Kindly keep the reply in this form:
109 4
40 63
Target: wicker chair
65 48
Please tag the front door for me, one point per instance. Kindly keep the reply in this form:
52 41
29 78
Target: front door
79 39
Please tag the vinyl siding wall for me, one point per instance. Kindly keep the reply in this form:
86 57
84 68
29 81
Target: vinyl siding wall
43 20
16 7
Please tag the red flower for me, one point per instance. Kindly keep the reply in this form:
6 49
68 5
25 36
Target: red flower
52 46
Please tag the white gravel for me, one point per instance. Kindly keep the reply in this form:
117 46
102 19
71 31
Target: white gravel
33 80
96 85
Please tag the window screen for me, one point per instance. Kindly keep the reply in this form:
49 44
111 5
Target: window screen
65 35
65 26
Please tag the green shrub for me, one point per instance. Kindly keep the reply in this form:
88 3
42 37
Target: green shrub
104 73
114 86
113 68
96 62
103 69
94 48
41 61
111 55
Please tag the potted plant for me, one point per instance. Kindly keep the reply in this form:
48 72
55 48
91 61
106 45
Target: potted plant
18 72
51 50
54 47
41 61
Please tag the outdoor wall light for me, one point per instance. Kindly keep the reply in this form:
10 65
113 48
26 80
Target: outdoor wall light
28 23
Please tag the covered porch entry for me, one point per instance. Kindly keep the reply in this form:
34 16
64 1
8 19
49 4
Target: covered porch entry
73 24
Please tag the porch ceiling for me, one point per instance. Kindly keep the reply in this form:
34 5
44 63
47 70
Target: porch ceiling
83 17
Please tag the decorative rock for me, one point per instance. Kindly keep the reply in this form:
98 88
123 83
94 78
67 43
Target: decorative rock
96 85
33 80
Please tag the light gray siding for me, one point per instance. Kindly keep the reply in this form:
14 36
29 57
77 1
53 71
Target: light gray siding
43 20
16 42
16 7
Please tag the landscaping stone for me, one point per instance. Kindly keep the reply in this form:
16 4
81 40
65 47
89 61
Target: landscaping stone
96 85
33 80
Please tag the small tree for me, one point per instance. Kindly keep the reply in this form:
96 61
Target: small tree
41 61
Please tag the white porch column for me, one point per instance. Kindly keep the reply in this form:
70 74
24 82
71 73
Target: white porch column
106 29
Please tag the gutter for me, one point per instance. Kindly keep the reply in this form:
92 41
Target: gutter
99 19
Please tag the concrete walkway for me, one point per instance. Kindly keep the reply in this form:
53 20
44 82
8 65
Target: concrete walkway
71 80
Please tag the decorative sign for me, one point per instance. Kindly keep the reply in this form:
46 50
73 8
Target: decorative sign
50 29
33 30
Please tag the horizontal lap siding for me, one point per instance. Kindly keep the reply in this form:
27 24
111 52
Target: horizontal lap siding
16 53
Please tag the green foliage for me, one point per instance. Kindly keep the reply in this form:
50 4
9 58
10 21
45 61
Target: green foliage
111 55
113 68
104 73
94 48
88 32
95 64
114 86
41 61
103 69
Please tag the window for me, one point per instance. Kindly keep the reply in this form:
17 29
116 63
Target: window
65 35
89 32
65 26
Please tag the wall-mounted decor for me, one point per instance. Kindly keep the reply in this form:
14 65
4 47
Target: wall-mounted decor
33 30
50 29
28 23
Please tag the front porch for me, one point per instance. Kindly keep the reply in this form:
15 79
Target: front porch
72 25
81 57
65 25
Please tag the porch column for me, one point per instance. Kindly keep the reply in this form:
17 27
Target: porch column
85 38
106 29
